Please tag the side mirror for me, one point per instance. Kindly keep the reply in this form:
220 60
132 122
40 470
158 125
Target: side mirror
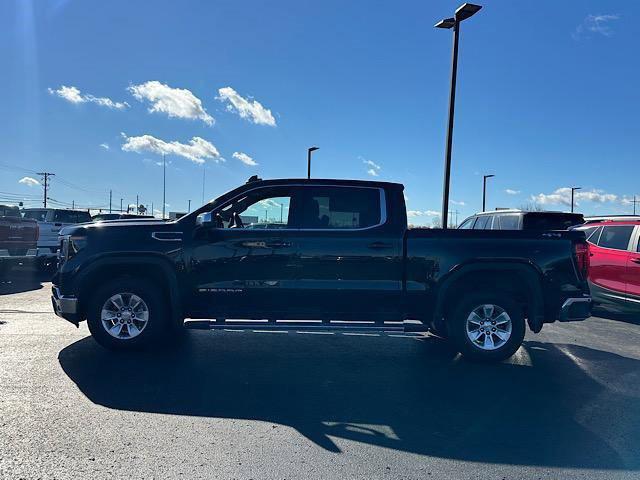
205 220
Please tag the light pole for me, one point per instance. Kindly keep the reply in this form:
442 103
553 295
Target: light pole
164 184
309 150
484 191
573 189
462 13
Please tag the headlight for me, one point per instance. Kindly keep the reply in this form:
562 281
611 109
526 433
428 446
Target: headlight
76 244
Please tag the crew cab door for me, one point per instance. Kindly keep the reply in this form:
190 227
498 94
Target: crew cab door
247 270
350 259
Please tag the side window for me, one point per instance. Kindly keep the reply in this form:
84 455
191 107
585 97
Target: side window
341 208
616 237
467 224
270 212
269 207
594 236
483 222
509 222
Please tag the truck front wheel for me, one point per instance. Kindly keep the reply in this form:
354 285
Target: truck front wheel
487 327
127 314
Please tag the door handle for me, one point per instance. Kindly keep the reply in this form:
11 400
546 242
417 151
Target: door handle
278 244
380 245
635 260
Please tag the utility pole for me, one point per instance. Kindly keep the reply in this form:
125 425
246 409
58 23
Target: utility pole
634 204
73 204
152 211
110 198
45 183
281 209
137 205
462 13
189 209
120 205
164 183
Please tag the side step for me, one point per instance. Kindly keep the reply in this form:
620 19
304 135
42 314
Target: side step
295 325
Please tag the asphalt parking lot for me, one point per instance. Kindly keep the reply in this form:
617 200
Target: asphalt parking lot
288 405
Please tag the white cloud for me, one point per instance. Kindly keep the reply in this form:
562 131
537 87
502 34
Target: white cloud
251 110
375 168
512 192
105 146
244 158
175 102
28 181
461 203
73 95
198 150
599 24
562 196
422 213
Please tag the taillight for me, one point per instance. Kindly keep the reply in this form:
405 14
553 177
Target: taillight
582 258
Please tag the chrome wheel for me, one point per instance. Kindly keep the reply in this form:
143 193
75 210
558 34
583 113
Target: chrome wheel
488 327
124 316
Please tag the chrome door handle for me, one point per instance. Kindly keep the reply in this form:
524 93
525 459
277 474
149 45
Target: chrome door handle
278 244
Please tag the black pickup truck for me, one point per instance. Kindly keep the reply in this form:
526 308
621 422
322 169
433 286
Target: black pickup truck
339 257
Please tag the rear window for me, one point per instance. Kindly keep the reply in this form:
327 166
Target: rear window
551 221
616 237
483 222
71 216
7 211
341 208
509 222
467 224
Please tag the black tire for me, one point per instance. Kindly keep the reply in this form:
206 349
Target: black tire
156 330
457 327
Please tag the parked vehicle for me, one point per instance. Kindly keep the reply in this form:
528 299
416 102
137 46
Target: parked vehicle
18 239
101 217
51 221
345 261
520 220
614 257
610 217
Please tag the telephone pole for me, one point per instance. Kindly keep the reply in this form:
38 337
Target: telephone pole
120 205
189 209
45 183
110 198
634 204
137 205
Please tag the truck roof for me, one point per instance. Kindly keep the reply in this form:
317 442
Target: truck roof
324 181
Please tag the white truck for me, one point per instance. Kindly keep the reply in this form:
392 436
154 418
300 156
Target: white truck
50 222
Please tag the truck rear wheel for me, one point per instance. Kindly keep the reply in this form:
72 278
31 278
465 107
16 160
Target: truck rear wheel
127 314
487 327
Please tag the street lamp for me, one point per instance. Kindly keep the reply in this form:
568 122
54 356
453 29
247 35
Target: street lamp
309 150
462 13
573 189
484 190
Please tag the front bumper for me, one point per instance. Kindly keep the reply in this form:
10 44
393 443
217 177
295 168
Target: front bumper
65 306
576 309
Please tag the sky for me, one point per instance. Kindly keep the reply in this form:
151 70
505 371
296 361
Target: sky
97 91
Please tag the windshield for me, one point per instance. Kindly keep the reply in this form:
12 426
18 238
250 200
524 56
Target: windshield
6 211
38 215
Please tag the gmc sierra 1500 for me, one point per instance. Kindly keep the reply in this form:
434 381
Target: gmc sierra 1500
339 257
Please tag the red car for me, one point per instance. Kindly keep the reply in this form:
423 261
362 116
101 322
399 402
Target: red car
614 264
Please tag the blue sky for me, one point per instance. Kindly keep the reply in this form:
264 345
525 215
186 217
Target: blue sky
548 98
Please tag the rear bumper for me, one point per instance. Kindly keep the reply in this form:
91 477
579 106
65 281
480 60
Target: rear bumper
576 309
7 259
65 306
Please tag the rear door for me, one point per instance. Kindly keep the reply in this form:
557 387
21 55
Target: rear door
350 256
633 272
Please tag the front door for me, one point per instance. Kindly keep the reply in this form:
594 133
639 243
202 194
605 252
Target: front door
244 267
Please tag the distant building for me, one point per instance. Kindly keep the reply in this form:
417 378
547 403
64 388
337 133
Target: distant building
176 215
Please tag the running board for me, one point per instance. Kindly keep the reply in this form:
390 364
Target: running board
298 326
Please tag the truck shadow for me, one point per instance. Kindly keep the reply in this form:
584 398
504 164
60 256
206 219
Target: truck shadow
22 279
555 405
